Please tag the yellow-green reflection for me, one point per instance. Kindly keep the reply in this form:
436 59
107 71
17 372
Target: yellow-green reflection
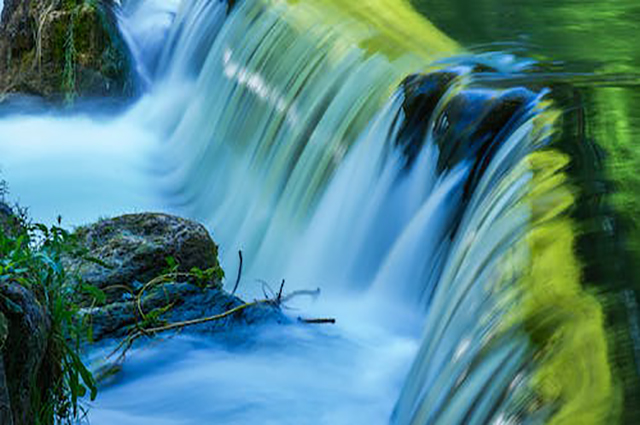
591 47
566 322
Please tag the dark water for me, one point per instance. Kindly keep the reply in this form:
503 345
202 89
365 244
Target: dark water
587 52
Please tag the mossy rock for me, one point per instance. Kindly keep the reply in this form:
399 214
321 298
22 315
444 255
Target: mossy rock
63 49
132 249
121 255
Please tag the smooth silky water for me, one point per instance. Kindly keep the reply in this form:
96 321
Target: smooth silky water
439 216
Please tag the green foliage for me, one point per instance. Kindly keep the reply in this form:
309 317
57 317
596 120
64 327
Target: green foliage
196 276
207 277
32 258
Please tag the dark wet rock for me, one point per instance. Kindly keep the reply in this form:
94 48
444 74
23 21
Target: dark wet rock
6 416
475 123
61 48
132 249
422 93
466 124
24 329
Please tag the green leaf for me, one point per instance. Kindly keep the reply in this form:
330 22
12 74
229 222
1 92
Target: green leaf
98 295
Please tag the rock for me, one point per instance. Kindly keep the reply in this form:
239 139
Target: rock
182 301
27 329
6 416
9 222
131 250
60 49
467 125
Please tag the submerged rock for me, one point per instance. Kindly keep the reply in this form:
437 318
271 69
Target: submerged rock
467 124
59 49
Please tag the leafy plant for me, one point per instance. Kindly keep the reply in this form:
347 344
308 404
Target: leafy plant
196 276
32 257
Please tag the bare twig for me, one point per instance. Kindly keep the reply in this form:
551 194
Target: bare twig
235 287
279 297
265 286
169 277
206 319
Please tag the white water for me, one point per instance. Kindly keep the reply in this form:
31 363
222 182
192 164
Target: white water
281 375
279 141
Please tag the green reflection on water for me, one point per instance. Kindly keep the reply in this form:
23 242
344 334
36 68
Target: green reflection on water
589 35
594 47
589 52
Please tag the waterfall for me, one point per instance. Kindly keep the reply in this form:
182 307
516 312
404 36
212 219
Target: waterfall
427 198
307 96
353 146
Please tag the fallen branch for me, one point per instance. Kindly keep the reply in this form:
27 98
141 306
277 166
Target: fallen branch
317 321
199 321
276 302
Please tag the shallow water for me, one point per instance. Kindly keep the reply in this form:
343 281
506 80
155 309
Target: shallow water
282 375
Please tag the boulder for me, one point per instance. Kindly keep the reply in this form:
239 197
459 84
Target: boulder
132 249
120 256
58 49
6 416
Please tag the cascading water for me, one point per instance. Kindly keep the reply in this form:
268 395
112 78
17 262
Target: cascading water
427 208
